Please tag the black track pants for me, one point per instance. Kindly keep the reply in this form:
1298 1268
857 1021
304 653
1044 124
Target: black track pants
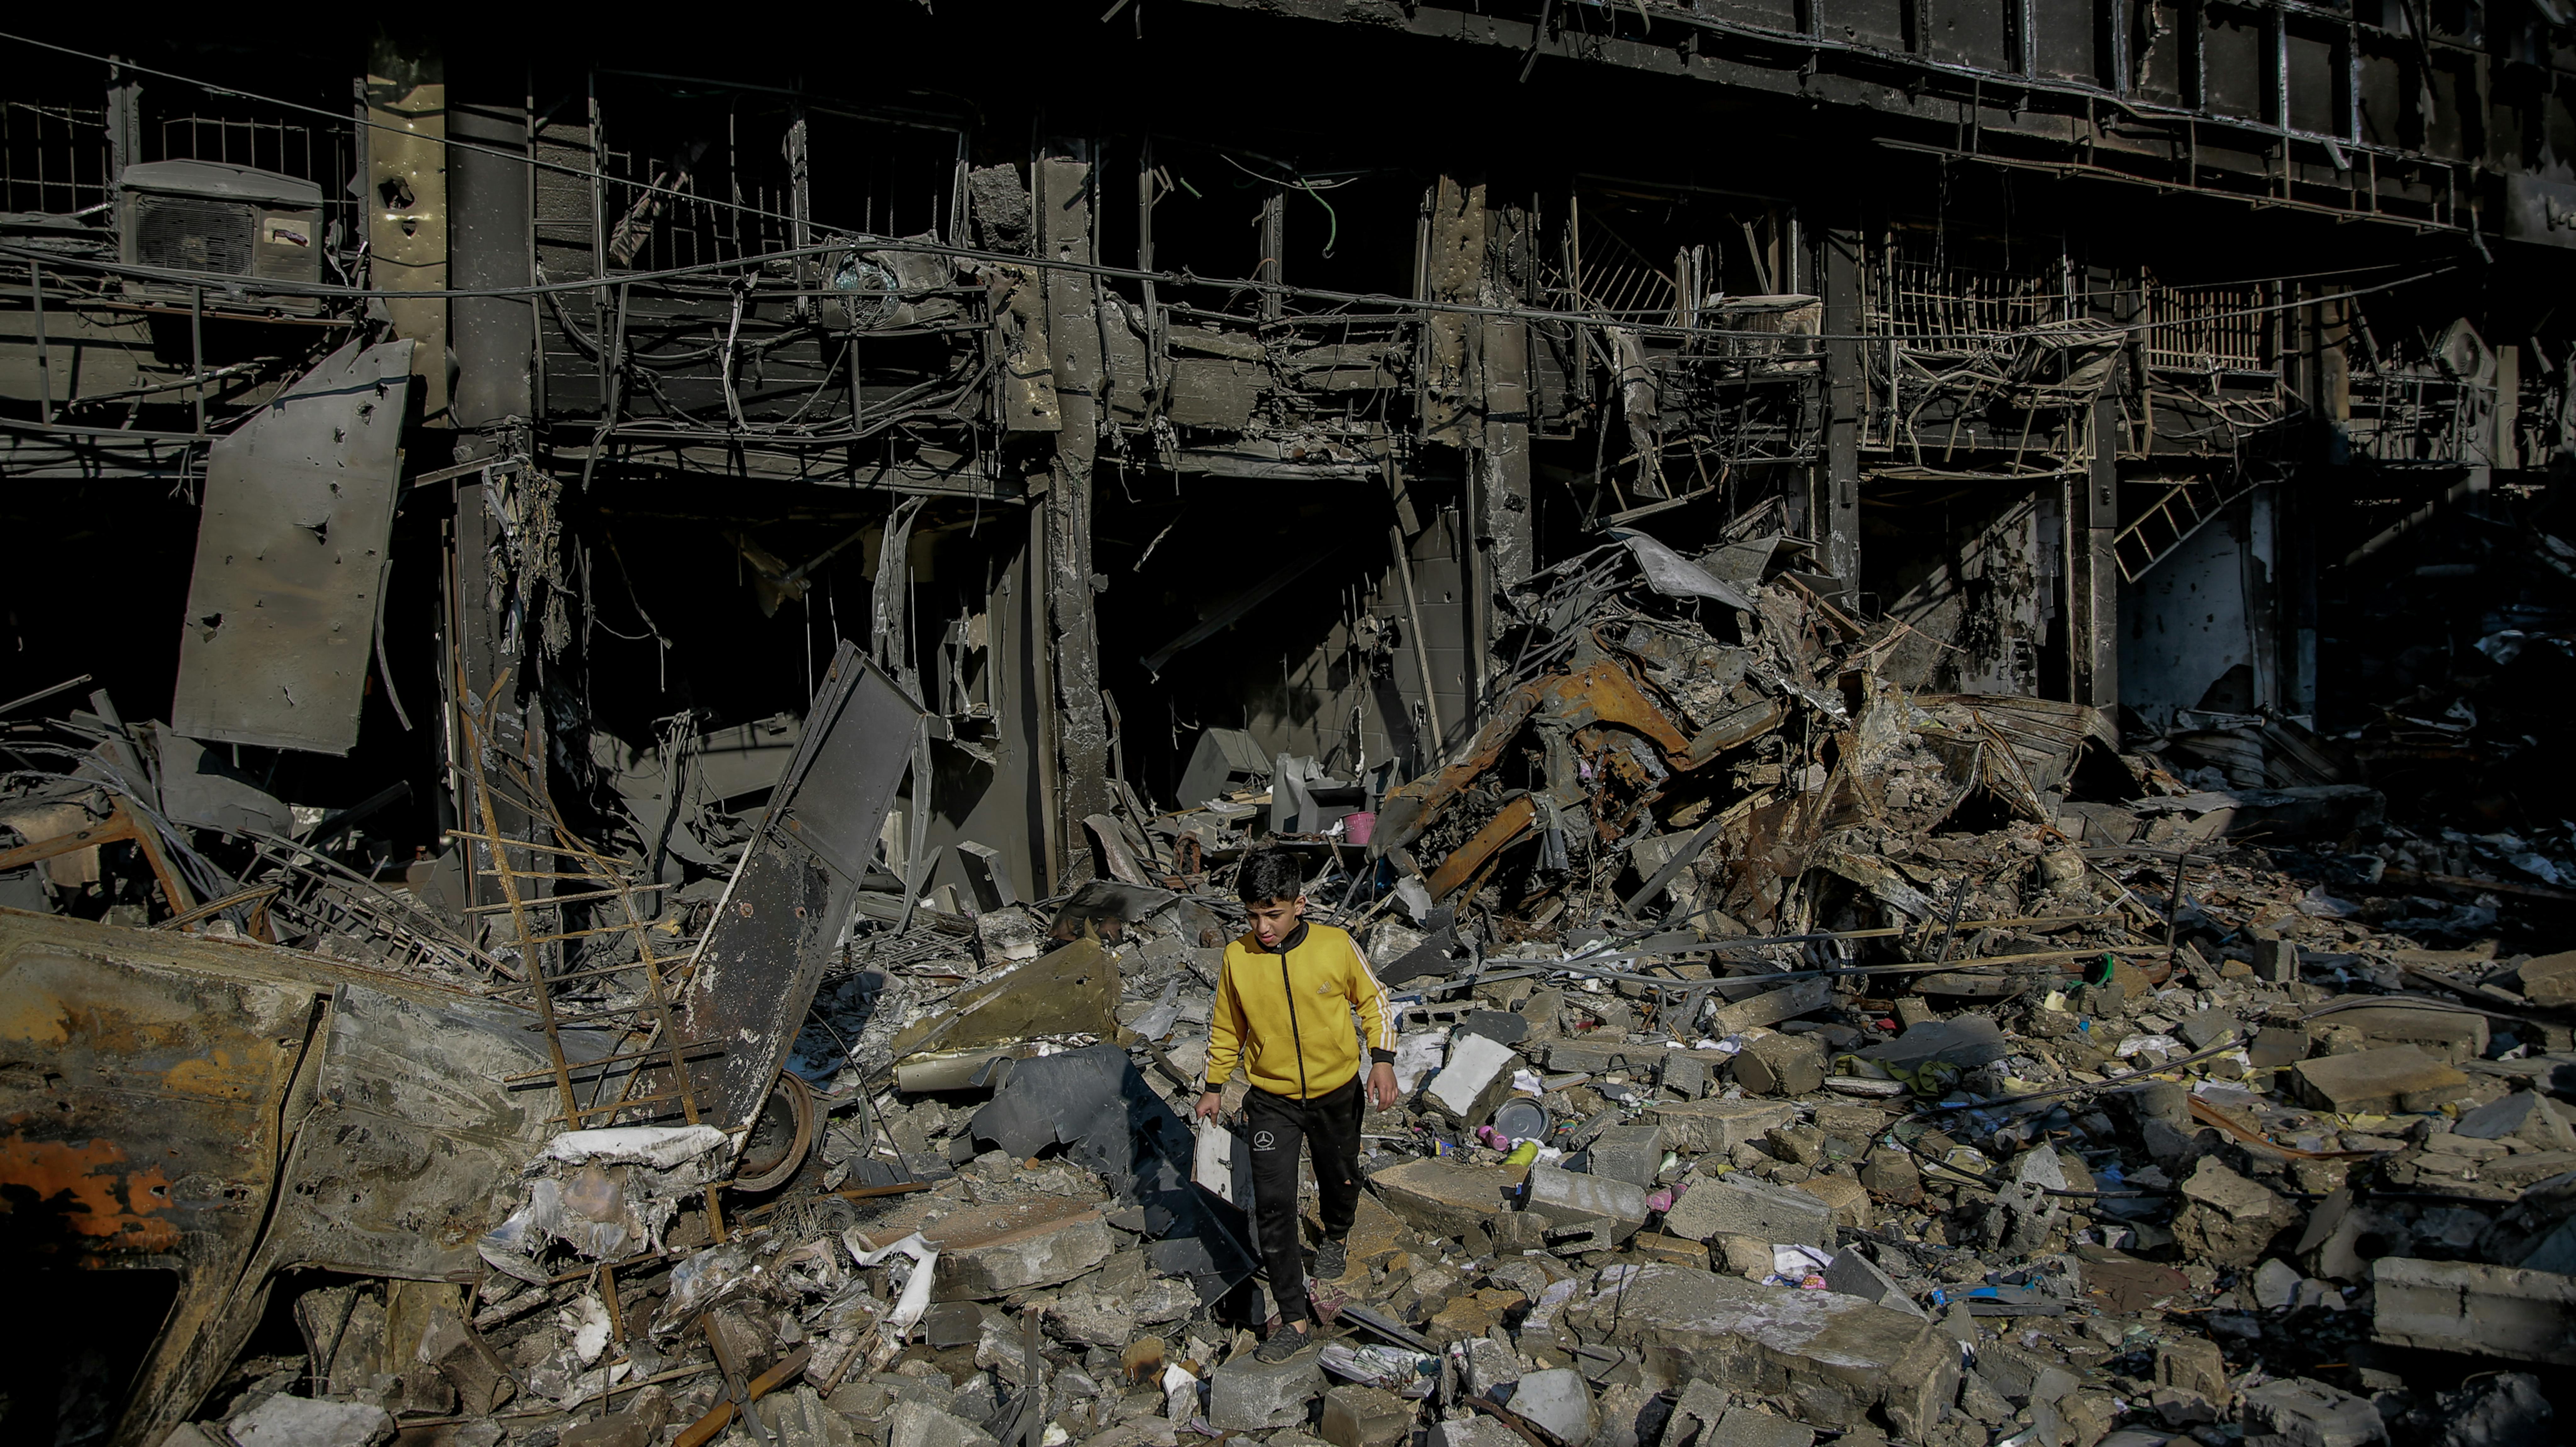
1329 1124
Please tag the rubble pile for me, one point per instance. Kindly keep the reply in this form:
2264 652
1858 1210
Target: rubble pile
1785 1056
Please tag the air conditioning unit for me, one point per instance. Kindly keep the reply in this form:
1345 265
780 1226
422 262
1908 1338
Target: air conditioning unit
230 223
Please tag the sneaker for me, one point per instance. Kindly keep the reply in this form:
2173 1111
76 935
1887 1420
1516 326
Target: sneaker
1331 1260
1285 1342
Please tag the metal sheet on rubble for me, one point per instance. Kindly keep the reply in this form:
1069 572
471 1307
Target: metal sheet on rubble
403 1159
1095 1103
282 608
796 888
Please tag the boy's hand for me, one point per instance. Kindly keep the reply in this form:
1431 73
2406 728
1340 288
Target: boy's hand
1381 1086
1209 1104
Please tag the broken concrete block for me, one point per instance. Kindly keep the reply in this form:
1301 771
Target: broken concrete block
2275 1284
1656 1246
2386 1081
2275 1046
1251 1395
2204 1028
798 1418
1441 1195
1487 1367
1476 1078
1771 1007
1753 1427
1963 1040
1838 1356
2450 1036
1750 1257
1685 1072
992 1251
1357 1416
284 1421
2525 1115
1853 1274
1782 1065
2276 960
1091 1319
1737 1205
915 1423
1891 1175
1474 1432
1631 1153
2228 1220
1569 1198
1701 1126
2456 1306
2550 979
1848 1199
2309 1413
1558 1401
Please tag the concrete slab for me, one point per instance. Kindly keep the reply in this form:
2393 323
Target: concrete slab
1557 1401
2386 1081
1631 1153
1476 1078
1837 1356
2550 979
2462 1306
1442 1196
1738 1205
1782 1065
2450 1036
1357 1416
1569 1198
992 1251
2312 1414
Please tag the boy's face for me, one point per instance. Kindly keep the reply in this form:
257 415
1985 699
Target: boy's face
1273 919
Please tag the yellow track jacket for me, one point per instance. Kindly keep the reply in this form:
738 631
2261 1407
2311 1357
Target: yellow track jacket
1285 1016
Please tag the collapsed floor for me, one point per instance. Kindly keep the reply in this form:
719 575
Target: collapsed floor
1784 1056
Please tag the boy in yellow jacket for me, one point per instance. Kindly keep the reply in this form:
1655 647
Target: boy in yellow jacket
1283 1011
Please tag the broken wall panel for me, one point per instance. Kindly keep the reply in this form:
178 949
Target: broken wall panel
291 555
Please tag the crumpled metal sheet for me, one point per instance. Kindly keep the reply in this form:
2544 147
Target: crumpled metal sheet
793 896
282 608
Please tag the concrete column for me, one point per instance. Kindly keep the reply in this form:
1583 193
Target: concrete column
1073 335
1834 512
2093 569
1506 547
406 180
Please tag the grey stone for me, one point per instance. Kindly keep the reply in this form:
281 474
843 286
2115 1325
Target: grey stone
2500 1311
1736 1205
1356 1416
1695 1416
1753 1427
1623 1407
2450 1036
991 1251
2308 1413
1559 1401
1701 1126
1503 1027
2526 1116
2550 979
2276 960
1250 1395
1490 1367
2506 1409
1853 1274
2275 1046
2275 1284
1569 1198
1838 1356
1631 1153
1091 1319
2205 1028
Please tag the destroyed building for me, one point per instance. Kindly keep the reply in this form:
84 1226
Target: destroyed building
1926 642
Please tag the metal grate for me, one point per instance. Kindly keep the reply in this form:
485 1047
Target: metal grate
53 159
194 235
2208 329
1916 300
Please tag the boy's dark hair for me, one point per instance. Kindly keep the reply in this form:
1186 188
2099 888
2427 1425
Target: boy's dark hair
1269 874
